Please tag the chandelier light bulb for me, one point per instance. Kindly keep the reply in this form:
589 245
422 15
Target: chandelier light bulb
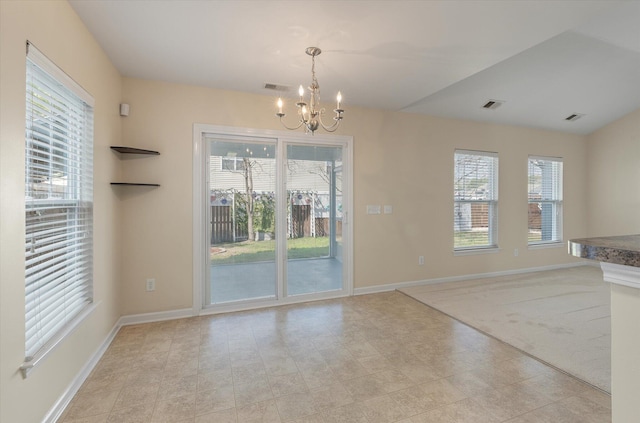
280 105
339 99
301 92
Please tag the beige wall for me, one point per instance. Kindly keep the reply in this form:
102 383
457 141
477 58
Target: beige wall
56 30
614 178
408 162
401 159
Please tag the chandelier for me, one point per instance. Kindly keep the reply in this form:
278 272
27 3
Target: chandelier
310 115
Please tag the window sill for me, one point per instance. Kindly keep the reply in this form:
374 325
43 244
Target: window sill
474 251
31 364
543 245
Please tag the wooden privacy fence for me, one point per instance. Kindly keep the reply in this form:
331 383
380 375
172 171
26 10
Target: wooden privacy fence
535 216
479 215
300 221
323 228
222 226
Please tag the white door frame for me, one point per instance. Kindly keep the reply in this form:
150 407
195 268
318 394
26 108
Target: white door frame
200 191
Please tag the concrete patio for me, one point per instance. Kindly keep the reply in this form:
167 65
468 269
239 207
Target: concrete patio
235 282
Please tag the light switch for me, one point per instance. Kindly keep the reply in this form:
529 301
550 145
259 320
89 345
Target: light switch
388 209
373 209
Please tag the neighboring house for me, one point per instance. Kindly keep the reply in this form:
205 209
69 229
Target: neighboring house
308 191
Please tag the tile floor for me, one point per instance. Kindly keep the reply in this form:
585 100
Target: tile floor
373 358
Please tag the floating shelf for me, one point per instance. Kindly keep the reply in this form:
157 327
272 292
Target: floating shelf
134 184
132 150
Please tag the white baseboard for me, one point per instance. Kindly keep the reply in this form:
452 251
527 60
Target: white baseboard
58 408
134 319
400 285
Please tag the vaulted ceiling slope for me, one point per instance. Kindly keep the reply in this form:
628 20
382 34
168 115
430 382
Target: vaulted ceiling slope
546 60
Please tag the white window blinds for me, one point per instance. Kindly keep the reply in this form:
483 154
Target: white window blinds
475 199
545 200
58 203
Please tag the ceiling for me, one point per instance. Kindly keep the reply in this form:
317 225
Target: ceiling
545 59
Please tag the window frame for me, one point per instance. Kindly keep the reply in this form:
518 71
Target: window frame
491 202
554 200
58 206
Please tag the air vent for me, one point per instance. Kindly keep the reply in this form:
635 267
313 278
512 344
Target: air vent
276 87
573 117
492 104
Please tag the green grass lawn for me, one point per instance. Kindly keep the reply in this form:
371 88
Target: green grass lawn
469 239
254 251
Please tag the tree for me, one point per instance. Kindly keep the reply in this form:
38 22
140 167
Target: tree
472 179
248 185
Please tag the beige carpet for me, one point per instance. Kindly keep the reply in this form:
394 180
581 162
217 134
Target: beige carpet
562 317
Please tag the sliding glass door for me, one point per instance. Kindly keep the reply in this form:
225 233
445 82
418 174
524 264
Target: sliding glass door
242 198
314 219
275 219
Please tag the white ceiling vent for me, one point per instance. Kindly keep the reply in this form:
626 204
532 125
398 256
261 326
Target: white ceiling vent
492 104
276 87
573 117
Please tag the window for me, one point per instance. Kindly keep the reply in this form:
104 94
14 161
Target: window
232 163
545 200
475 196
58 205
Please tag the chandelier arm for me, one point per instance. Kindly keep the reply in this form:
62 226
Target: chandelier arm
291 128
332 127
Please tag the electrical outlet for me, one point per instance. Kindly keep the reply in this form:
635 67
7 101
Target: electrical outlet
515 252
151 285
421 260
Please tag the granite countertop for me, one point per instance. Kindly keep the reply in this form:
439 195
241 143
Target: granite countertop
623 249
